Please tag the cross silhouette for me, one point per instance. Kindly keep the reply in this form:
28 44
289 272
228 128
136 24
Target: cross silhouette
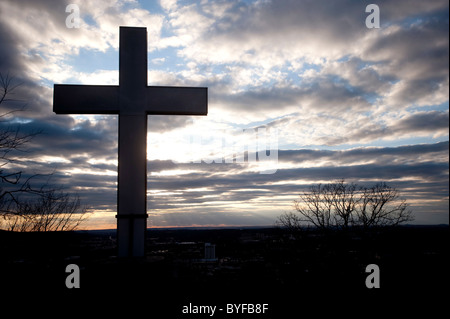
132 100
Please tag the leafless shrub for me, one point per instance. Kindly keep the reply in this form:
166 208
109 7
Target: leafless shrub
340 205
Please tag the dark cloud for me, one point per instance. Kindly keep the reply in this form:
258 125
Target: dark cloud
319 95
95 139
287 22
416 55
398 11
310 174
209 218
337 165
375 155
164 123
433 121
158 165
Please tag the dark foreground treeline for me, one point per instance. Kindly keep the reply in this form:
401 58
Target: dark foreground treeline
290 271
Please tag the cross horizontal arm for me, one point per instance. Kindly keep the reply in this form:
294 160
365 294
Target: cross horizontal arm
170 100
104 99
85 99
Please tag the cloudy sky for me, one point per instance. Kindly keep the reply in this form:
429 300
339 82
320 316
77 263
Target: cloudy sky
307 80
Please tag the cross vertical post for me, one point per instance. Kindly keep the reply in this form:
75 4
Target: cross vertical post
132 171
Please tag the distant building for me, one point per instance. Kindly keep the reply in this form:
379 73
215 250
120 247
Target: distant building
210 252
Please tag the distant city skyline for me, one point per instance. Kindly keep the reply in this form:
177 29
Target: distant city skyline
339 100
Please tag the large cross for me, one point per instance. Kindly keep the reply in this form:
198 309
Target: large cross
133 100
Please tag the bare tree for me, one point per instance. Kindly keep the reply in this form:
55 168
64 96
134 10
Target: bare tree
381 205
54 211
22 206
340 205
343 198
315 207
290 221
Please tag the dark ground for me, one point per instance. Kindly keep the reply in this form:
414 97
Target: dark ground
297 276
